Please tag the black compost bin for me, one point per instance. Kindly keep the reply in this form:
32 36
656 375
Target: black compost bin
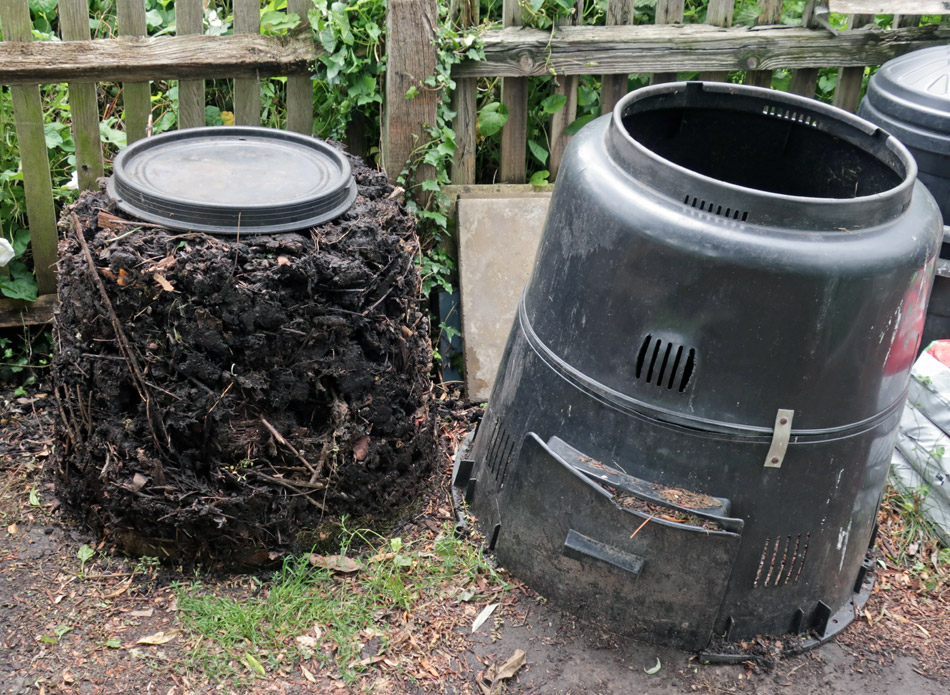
910 98
691 426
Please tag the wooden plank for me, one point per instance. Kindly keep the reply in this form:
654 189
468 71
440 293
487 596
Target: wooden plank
300 87
613 87
136 96
37 185
566 86
514 96
191 92
771 14
692 47
805 80
408 64
889 6
906 20
247 90
718 14
848 88
667 12
15 313
465 105
161 57
83 100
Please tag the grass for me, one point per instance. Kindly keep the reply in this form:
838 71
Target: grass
909 541
307 611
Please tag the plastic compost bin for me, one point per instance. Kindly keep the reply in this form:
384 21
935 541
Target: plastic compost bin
691 426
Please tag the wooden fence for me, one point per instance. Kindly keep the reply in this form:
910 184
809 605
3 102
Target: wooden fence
513 53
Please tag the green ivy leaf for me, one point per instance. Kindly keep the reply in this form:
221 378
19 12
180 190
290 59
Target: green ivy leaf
553 103
53 136
43 7
491 118
578 124
538 151
540 178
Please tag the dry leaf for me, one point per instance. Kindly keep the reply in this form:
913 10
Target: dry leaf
655 669
121 590
306 674
483 616
138 482
158 638
488 680
361 448
283 260
142 614
125 278
68 678
165 284
336 563
11 529
306 641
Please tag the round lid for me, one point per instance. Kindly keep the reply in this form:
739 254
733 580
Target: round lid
915 88
232 180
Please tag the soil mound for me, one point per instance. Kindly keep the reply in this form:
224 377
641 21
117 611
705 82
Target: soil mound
226 398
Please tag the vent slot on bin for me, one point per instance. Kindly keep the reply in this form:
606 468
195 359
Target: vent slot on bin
665 364
782 560
715 209
500 450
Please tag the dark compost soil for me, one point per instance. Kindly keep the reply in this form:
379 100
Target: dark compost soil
226 398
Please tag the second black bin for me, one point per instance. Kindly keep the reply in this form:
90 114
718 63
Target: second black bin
691 426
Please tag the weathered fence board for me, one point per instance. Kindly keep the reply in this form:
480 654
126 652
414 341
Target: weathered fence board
771 14
718 14
83 101
160 57
136 96
805 80
667 12
514 97
848 89
300 87
465 105
247 90
872 7
191 92
566 86
613 87
37 184
691 47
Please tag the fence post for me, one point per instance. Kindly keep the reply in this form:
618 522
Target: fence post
191 93
667 12
514 96
410 26
37 184
247 90
466 108
613 87
805 80
771 14
848 89
136 96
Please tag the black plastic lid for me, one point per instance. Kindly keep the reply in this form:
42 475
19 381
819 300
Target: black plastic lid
233 180
915 89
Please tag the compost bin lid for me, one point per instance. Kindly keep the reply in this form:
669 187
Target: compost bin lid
915 89
233 180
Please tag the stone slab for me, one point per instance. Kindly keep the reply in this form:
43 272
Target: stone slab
498 238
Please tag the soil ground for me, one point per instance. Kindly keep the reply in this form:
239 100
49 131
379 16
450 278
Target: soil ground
65 633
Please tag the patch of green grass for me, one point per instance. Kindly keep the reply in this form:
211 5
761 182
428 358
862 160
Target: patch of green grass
311 611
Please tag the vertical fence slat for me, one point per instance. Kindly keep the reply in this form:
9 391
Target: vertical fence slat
83 101
771 14
465 105
514 96
191 93
667 12
136 96
719 14
848 89
31 139
612 87
906 20
408 64
300 87
805 80
247 90
566 86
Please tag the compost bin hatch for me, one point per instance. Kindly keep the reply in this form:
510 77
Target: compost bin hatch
238 180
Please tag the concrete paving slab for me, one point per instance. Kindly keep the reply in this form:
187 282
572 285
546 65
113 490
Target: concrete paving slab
498 239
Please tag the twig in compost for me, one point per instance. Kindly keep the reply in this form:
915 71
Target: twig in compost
280 438
291 486
138 379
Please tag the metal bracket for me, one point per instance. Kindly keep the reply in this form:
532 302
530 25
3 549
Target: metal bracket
821 16
780 438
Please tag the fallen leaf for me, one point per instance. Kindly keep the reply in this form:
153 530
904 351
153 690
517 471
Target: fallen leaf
113 643
164 283
361 448
253 664
160 637
335 563
138 482
121 590
512 666
68 678
125 278
306 674
283 260
655 669
11 529
306 641
483 616
142 614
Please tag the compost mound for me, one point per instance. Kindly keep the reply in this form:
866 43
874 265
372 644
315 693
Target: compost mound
229 398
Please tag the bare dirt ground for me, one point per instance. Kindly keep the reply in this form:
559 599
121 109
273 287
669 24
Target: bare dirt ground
114 628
